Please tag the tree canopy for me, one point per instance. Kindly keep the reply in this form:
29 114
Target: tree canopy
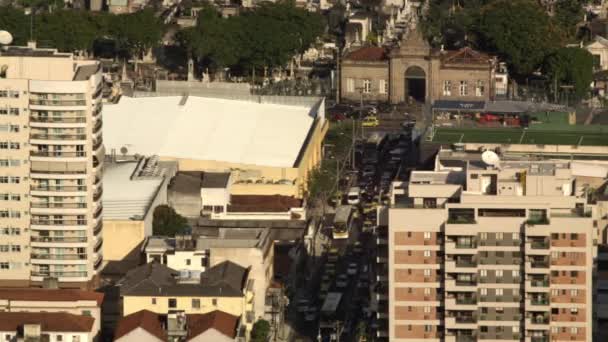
264 37
167 222
73 30
572 67
260 331
520 32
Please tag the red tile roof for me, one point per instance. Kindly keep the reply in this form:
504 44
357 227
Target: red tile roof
147 320
223 322
53 295
367 53
49 321
263 203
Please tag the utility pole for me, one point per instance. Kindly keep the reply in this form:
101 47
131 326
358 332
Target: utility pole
337 74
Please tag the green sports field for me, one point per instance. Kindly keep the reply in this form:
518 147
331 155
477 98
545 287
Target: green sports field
586 137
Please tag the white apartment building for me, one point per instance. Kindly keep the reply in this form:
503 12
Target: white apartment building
51 155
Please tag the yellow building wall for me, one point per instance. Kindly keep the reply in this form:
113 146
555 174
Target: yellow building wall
232 305
121 237
312 155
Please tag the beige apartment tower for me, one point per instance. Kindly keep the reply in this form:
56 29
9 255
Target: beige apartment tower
51 155
490 253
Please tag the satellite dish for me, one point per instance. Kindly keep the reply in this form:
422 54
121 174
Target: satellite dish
5 37
124 150
490 158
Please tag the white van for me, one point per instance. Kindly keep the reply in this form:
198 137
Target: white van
354 195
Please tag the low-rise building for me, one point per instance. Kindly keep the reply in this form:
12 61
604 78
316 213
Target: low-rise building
142 325
160 289
132 189
46 326
145 325
250 248
274 145
72 301
233 196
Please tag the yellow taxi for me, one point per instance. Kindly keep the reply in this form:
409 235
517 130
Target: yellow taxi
370 121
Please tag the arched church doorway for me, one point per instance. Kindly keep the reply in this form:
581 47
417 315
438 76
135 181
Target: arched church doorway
415 83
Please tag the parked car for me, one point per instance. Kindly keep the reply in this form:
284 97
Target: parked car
352 269
370 121
342 281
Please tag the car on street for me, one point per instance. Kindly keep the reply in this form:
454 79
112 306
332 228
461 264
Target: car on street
370 121
352 269
354 195
342 281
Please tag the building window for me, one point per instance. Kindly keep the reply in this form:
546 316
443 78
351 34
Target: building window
498 273
59 338
382 88
483 273
350 85
427 254
463 88
75 338
196 303
172 303
15 248
428 328
498 293
447 88
427 272
367 86
7 337
187 262
480 88
214 301
153 301
574 330
483 291
86 313
4 266
597 61
427 291
427 235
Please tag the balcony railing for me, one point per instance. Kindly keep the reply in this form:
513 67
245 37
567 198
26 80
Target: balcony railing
97 194
539 320
59 205
59 136
58 119
58 239
461 220
59 274
59 222
540 283
539 301
68 188
466 301
537 221
466 245
466 263
539 264
97 228
539 339
539 244
98 245
465 319
38 102
466 283
58 154
59 256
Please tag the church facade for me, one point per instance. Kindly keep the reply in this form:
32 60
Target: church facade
415 71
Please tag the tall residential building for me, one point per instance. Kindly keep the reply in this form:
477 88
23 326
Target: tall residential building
51 155
480 252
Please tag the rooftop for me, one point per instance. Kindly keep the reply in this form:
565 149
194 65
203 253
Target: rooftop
226 279
147 320
211 129
127 196
263 203
49 321
49 295
215 180
222 322
368 53
24 51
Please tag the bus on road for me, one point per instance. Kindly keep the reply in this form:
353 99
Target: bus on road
342 221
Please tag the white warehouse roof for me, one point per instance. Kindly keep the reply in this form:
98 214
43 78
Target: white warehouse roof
211 129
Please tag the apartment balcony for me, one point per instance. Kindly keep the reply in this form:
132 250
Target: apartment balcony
538 304
57 103
458 266
461 322
452 247
455 303
50 139
98 262
382 241
46 224
537 323
72 259
98 244
537 266
98 211
97 194
61 275
58 208
51 190
58 121
538 339
460 285
58 241
98 126
77 156
98 228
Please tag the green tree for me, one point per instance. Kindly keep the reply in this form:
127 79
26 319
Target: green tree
137 32
66 30
570 66
260 331
16 22
520 32
167 222
568 14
